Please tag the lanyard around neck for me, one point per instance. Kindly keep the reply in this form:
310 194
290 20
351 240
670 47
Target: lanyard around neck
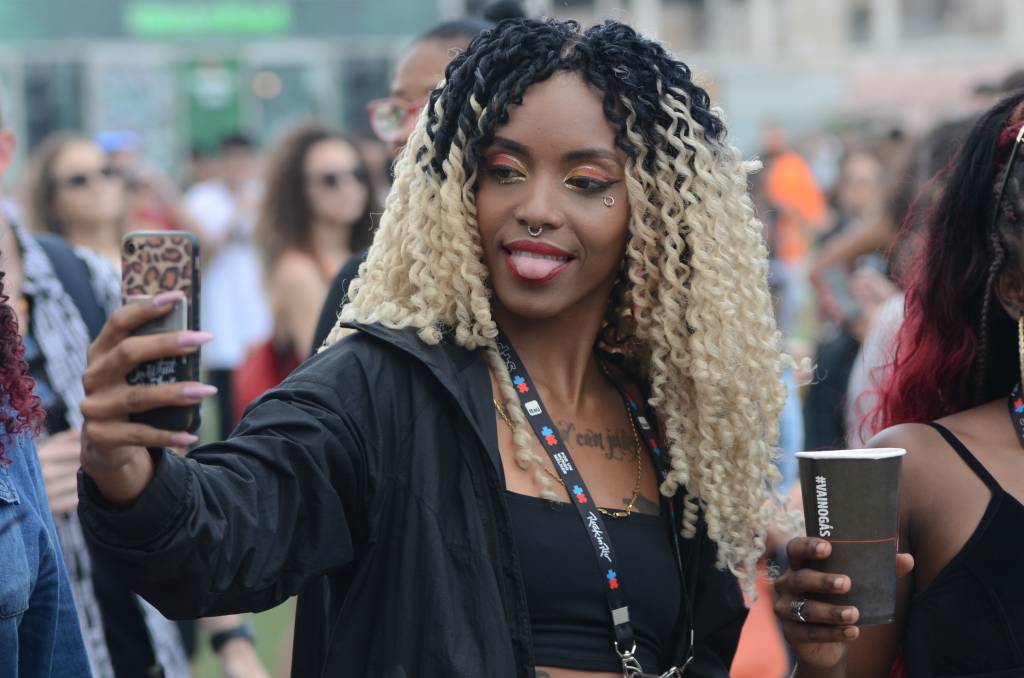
582 500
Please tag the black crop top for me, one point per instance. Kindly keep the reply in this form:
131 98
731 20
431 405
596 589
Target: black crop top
969 622
569 617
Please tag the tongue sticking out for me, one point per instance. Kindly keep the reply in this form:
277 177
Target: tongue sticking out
535 268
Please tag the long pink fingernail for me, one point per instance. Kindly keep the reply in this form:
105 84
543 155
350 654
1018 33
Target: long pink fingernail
199 391
190 339
166 298
183 439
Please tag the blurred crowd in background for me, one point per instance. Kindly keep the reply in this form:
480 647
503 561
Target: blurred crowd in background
280 208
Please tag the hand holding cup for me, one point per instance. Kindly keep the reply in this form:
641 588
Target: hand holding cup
819 632
843 574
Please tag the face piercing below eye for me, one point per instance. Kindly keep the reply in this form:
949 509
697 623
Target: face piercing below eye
608 201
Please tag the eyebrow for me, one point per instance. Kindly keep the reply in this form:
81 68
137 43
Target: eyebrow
571 156
510 145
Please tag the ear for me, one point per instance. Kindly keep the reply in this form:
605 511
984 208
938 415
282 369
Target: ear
7 146
1009 288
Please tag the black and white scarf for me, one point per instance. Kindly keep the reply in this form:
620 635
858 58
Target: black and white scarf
63 340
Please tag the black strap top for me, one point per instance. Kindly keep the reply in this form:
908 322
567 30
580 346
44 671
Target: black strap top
970 621
569 619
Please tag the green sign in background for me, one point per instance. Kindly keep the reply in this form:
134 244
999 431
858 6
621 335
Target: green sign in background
212 89
175 19
24 21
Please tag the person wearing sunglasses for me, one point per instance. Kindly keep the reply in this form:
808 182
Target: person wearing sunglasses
71 189
421 68
953 400
316 213
419 71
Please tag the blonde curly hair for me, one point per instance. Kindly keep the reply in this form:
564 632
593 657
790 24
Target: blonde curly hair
692 314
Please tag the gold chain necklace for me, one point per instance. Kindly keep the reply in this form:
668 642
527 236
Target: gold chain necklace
637 450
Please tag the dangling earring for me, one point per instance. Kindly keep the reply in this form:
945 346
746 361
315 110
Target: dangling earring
608 201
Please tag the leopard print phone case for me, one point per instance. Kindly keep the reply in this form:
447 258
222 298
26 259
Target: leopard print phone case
153 262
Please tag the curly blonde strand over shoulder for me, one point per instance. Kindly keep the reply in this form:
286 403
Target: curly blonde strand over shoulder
425 269
699 290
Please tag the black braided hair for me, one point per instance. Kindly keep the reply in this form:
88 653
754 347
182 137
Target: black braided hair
502 63
998 239
998 330
985 334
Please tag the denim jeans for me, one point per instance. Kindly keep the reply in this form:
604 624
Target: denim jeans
39 632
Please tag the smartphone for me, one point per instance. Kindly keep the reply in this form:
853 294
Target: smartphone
153 262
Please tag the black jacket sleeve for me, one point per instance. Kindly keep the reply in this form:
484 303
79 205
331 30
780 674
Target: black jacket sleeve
241 525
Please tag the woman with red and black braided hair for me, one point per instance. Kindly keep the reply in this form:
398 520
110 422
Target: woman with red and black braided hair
953 400
39 632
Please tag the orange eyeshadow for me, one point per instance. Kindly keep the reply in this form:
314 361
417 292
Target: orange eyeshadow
591 172
506 159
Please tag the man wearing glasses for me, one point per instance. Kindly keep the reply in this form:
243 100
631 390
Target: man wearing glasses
392 119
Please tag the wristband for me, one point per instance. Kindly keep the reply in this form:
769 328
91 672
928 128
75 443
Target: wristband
243 630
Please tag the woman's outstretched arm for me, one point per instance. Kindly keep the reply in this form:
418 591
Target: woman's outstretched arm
238 525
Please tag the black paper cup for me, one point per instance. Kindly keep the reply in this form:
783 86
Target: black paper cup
851 499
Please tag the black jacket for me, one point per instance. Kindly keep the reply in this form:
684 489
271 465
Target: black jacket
370 484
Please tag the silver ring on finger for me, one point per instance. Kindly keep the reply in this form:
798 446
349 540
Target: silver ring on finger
796 610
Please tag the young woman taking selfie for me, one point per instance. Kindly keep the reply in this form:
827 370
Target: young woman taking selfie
565 308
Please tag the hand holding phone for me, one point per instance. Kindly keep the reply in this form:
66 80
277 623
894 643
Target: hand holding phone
114 441
152 263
